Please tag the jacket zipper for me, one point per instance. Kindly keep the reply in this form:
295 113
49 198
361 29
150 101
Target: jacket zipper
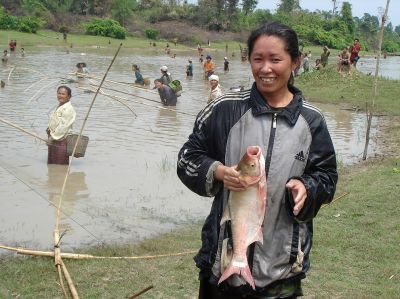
270 144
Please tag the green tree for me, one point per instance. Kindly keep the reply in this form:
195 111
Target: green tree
248 6
397 29
288 6
122 10
389 28
347 17
369 26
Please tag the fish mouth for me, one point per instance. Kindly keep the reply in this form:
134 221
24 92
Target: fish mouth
253 150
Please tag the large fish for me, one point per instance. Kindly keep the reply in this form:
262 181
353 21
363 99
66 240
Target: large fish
245 210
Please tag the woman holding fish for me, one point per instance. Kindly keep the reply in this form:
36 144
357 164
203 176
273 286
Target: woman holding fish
267 157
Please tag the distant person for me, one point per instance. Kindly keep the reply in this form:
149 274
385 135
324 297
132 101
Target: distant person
324 56
309 55
167 95
65 36
296 70
199 49
344 61
208 67
354 50
201 59
215 88
318 65
226 64
22 52
166 77
60 125
306 63
189 68
81 69
12 45
4 58
139 78
167 49
2 84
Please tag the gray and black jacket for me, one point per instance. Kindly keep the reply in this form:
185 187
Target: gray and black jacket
296 144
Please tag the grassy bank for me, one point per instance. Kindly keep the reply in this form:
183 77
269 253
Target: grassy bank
47 38
354 254
351 91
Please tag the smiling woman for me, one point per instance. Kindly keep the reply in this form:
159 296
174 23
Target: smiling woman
300 164
59 127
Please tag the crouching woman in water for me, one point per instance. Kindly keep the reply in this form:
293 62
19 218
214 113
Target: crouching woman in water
167 95
300 165
60 125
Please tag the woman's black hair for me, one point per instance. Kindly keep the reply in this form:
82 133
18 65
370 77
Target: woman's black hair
285 33
66 88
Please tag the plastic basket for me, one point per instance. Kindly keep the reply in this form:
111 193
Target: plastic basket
81 147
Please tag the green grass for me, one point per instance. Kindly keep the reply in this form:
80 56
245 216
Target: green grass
356 240
351 90
355 252
47 38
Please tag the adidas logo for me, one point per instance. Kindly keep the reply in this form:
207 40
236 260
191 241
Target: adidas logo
300 156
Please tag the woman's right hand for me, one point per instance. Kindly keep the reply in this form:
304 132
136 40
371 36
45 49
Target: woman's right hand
230 177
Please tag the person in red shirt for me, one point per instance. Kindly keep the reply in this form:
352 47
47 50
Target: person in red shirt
354 49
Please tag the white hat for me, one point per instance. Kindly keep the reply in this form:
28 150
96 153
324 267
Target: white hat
164 68
213 77
225 58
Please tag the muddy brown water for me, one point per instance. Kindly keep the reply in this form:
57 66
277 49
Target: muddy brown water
125 188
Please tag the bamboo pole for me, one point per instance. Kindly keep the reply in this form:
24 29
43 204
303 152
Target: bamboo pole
71 285
118 99
81 256
62 282
57 250
22 129
142 103
34 83
335 199
40 89
370 112
115 82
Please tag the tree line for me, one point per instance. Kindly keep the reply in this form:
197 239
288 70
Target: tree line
335 28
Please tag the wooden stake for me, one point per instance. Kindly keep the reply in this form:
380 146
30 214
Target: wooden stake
71 285
370 113
141 292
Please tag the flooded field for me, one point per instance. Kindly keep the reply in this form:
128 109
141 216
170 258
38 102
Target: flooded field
125 188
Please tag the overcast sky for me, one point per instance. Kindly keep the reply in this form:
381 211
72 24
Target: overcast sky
359 7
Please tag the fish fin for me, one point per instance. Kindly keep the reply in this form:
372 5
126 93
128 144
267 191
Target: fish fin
242 270
226 216
246 274
259 236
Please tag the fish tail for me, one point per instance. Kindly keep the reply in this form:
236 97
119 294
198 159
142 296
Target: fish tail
242 270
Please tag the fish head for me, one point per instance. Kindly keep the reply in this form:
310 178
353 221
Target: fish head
249 166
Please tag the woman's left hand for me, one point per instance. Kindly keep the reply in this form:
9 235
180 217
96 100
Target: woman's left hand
299 194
